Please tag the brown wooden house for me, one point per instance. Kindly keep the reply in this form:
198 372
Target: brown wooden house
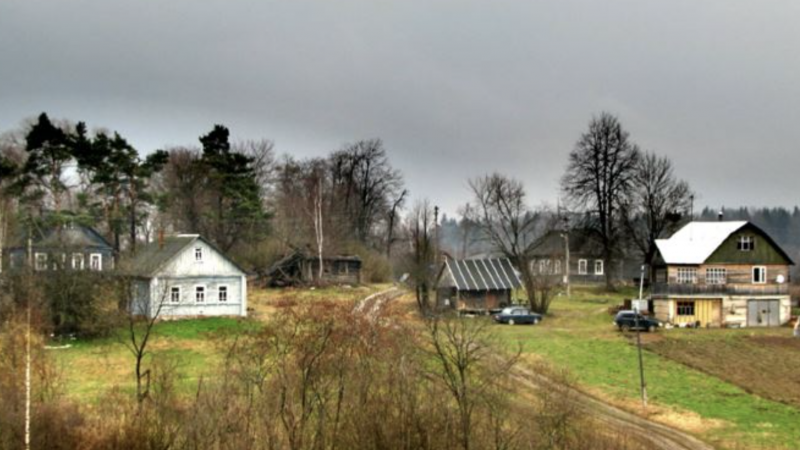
721 274
476 285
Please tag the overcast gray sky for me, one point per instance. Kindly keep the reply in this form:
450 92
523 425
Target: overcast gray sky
455 88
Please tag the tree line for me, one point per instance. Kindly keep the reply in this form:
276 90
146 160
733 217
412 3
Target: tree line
241 195
258 205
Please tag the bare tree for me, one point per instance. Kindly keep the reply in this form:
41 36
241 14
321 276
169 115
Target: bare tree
141 307
364 182
599 179
467 228
421 260
468 365
508 223
545 279
391 221
656 203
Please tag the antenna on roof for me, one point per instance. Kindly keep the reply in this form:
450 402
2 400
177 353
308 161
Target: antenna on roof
720 215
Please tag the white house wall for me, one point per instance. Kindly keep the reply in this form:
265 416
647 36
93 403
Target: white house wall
187 273
213 263
188 306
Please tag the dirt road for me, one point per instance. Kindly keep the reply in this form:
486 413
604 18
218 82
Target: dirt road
660 436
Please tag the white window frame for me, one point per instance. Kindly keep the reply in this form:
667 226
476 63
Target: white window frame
198 254
602 267
196 292
763 271
716 275
78 257
686 275
557 267
219 292
40 261
172 291
746 244
583 266
99 258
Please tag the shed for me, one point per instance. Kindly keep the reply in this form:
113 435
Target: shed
300 267
186 275
477 285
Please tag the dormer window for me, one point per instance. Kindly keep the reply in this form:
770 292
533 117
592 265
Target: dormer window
745 244
198 254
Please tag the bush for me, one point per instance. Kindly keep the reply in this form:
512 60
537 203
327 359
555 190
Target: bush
375 267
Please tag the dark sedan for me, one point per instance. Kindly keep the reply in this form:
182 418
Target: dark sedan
516 315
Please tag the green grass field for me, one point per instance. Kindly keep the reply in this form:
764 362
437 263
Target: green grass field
192 348
578 335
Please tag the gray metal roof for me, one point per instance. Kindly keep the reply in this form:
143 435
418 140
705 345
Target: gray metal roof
152 257
483 274
74 236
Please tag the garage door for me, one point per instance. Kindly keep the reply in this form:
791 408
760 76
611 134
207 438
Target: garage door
763 313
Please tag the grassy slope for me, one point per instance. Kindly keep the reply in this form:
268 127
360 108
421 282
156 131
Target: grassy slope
92 367
579 336
762 361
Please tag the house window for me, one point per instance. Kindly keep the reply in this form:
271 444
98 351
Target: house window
557 267
746 244
199 294
685 308
598 266
198 254
223 294
759 274
582 266
716 275
40 261
96 261
687 275
77 261
543 266
175 294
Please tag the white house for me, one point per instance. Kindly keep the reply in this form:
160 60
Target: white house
186 276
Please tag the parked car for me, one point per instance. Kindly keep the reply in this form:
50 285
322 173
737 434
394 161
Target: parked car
515 315
627 320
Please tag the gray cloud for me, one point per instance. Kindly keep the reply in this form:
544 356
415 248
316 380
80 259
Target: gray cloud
455 88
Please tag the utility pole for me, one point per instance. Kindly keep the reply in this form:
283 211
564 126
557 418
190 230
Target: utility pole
565 235
639 340
436 234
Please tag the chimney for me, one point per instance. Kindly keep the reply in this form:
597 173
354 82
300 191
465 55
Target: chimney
160 238
720 215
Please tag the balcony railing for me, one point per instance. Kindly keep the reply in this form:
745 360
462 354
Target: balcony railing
718 289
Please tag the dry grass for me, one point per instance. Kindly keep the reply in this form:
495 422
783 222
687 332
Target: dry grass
90 368
263 303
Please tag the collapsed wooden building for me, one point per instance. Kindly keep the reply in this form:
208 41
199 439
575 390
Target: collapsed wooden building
301 268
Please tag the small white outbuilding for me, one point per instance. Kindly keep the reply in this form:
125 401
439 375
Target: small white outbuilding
187 276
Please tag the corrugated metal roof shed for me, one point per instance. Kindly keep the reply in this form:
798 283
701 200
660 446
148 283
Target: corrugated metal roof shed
483 274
